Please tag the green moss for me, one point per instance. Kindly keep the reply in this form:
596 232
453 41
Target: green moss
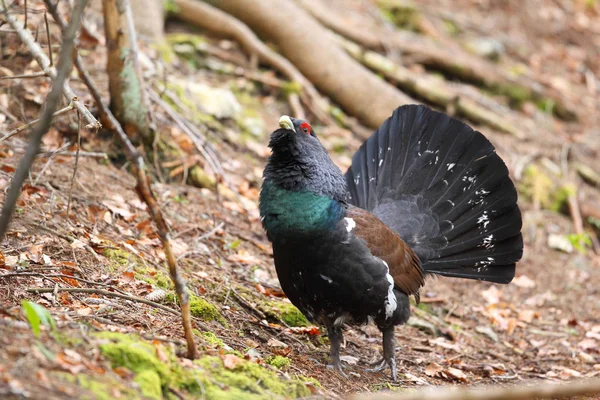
209 379
291 88
249 381
212 339
98 387
131 352
278 361
171 298
292 316
205 310
149 383
536 186
119 257
153 276
401 13
560 197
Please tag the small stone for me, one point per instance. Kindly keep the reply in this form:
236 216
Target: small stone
487 331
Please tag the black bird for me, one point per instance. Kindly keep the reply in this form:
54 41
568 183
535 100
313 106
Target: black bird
426 194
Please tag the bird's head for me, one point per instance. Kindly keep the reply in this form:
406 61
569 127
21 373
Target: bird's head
292 133
300 162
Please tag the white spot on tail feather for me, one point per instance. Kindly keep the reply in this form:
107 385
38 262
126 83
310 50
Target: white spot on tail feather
350 224
326 278
450 166
484 219
390 302
487 242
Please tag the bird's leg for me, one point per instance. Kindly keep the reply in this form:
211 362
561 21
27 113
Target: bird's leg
388 353
335 339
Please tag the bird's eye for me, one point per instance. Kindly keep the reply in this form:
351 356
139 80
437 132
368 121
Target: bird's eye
306 128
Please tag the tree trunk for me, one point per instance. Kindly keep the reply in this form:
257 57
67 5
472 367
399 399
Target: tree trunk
128 100
310 48
149 19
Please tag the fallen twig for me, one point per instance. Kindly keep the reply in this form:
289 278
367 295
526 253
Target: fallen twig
35 121
24 76
539 391
105 293
59 76
575 213
76 163
144 191
41 58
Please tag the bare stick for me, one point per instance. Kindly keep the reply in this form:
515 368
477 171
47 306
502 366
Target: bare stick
76 163
581 387
24 76
575 213
44 62
64 69
49 38
104 293
30 124
144 191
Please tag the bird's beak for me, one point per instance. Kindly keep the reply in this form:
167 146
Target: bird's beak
285 122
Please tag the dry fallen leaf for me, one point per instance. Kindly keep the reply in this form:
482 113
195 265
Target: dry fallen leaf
231 361
454 374
491 295
527 315
523 281
349 360
433 369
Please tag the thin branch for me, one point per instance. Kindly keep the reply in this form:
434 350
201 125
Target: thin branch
24 76
30 124
41 58
583 387
76 164
144 191
48 36
104 293
64 69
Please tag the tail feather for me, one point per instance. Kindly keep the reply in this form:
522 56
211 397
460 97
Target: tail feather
443 188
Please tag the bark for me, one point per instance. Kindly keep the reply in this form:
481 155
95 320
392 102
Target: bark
149 19
128 100
303 41
447 57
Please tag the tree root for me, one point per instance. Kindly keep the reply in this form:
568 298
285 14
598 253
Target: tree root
451 60
215 20
433 90
358 91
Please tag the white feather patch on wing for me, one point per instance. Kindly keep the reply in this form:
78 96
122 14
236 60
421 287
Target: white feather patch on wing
390 302
350 224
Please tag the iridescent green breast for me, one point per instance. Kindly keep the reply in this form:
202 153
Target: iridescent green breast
290 212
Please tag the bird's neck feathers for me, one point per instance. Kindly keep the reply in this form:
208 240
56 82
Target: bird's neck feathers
303 191
302 164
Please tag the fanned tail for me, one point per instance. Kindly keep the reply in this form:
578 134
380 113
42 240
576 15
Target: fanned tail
442 187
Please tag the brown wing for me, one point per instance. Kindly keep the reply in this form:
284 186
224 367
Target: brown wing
404 265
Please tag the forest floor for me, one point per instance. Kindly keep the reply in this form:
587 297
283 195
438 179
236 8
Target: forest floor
544 326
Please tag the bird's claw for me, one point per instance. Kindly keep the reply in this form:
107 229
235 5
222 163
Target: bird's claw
338 367
381 364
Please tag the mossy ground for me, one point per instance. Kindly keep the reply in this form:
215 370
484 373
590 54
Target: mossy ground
155 370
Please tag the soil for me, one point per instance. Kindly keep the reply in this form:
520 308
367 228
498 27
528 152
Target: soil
545 326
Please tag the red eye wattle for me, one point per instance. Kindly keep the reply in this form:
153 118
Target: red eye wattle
305 126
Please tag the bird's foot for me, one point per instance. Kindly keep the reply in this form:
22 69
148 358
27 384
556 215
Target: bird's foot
381 364
338 367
